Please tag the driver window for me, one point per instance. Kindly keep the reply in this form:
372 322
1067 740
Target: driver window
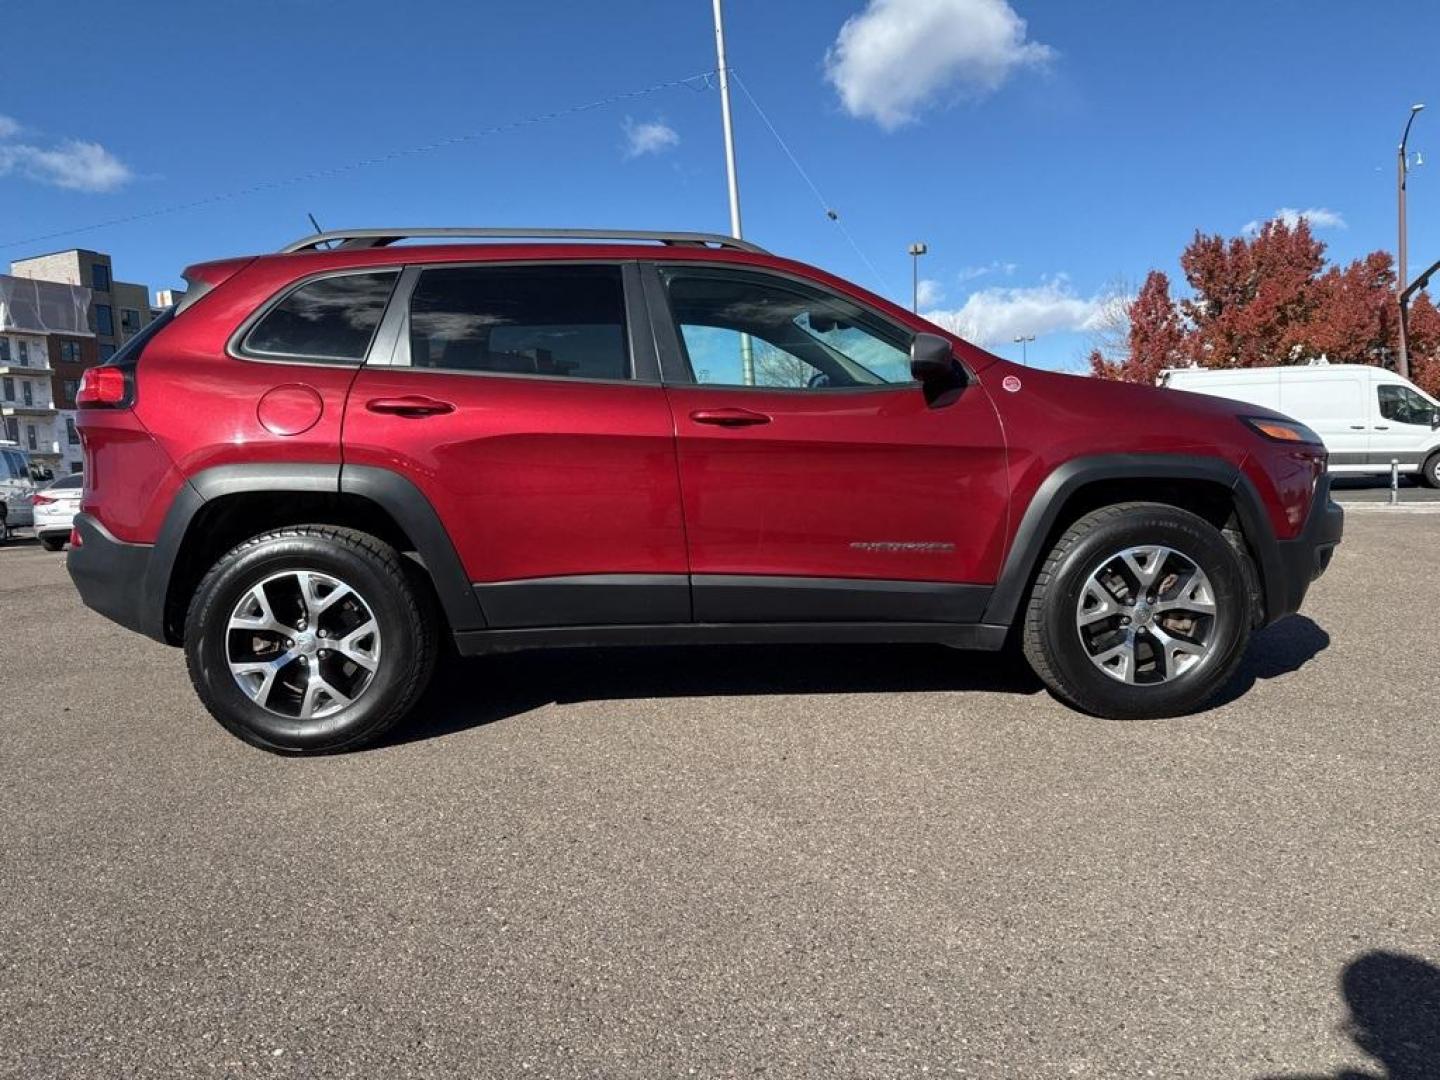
1403 405
746 329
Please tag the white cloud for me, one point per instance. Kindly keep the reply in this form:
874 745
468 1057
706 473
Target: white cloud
898 56
1317 216
72 163
970 273
648 138
929 292
996 315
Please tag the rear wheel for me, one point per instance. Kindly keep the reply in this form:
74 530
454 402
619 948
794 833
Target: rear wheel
52 543
310 639
1141 610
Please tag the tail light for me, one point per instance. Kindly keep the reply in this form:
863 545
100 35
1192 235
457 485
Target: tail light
44 500
105 388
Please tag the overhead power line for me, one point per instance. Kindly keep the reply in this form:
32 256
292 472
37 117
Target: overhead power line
830 212
700 82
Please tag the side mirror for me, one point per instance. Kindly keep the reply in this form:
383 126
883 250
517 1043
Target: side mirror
1435 419
933 366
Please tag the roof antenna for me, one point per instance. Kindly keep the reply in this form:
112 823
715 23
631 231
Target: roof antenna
318 229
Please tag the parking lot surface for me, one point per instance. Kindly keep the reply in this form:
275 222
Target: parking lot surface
829 862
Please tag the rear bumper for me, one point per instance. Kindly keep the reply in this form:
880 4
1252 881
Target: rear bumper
1302 560
111 576
48 524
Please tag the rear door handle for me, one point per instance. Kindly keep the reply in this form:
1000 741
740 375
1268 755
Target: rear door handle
729 417
1382 427
1357 427
412 405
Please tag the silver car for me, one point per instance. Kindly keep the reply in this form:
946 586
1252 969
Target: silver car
17 488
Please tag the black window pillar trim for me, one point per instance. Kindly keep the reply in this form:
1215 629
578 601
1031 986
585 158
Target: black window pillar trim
674 366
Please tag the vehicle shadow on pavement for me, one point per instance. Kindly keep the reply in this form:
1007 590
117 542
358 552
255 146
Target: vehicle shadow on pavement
1277 650
471 693
1394 1002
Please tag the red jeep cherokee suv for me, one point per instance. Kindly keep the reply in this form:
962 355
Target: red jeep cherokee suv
324 459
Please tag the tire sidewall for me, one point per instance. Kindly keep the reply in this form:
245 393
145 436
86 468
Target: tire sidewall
207 630
1193 538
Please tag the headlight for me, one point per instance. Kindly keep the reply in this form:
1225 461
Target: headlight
1288 431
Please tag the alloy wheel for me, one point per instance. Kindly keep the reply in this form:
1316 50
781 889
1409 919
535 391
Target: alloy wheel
303 644
1146 615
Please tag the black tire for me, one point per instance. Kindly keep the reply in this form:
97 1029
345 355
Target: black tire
1052 641
403 611
1430 471
52 543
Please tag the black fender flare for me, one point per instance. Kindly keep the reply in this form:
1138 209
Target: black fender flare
1027 549
412 511
406 505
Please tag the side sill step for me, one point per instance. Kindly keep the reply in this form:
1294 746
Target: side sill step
978 636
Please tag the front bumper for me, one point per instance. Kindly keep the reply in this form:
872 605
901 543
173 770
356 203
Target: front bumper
111 576
1302 560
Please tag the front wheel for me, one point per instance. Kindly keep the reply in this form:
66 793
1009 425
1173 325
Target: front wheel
310 639
1141 610
1430 471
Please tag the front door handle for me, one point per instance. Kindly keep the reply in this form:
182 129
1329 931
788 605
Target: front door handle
1382 427
412 405
1357 427
729 417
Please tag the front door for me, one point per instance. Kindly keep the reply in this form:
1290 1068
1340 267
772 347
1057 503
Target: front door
523 405
818 483
1403 422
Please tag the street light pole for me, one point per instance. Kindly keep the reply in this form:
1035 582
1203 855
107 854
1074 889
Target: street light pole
1402 170
724 72
1023 341
916 250
747 349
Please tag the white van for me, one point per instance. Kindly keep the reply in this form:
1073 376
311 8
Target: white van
1367 416
17 488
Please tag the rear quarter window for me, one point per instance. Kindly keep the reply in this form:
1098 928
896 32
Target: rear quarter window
330 319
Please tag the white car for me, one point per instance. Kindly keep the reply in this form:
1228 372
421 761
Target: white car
55 508
1368 416
17 486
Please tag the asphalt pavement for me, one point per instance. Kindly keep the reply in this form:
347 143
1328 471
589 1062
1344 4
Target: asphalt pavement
724 862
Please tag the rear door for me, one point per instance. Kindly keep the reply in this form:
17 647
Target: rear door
818 483
524 402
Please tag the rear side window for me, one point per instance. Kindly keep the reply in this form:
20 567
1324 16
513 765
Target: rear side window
541 320
330 318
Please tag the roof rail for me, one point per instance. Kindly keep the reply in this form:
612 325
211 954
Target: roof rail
368 238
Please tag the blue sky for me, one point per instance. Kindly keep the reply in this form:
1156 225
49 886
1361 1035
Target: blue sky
1044 151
